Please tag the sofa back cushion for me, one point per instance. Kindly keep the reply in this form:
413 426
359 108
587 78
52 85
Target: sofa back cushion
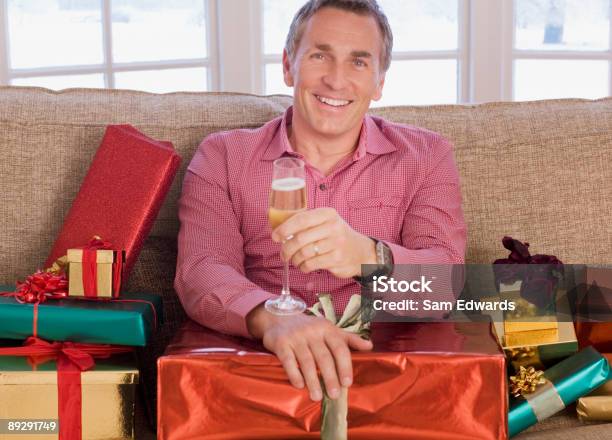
537 171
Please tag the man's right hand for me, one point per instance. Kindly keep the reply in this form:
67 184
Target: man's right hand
302 343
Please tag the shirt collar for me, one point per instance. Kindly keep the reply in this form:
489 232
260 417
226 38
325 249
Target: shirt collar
371 140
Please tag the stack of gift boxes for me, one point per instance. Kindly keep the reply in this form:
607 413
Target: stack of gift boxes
550 365
456 380
73 367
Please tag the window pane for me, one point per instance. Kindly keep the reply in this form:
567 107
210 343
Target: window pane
420 82
562 24
158 30
164 81
549 79
277 16
275 83
62 82
416 24
54 33
422 24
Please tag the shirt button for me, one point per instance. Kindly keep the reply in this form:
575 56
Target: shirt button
322 187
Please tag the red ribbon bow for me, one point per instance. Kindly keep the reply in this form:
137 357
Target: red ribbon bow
72 359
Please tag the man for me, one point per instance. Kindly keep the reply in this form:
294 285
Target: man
376 191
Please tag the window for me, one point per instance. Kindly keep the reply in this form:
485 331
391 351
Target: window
561 48
445 51
427 56
148 45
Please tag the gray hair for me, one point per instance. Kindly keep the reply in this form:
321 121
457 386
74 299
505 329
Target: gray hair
360 7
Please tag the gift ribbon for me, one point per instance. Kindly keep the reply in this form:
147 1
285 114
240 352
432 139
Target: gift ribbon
72 359
90 267
334 412
545 401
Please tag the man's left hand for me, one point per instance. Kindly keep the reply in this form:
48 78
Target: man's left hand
320 239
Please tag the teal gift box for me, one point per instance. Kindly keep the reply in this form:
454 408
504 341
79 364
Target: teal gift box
128 321
566 382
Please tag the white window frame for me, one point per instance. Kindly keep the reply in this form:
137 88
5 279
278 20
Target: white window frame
108 67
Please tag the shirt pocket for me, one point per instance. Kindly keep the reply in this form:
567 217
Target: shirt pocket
377 217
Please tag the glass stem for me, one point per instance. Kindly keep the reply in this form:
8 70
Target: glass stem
285 292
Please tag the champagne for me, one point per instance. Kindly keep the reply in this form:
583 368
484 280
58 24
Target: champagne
287 198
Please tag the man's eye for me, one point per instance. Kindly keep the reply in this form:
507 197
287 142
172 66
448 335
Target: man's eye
318 56
359 63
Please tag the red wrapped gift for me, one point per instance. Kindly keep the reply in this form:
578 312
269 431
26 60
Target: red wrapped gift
432 380
121 193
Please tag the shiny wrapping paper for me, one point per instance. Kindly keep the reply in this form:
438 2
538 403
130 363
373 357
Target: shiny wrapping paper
597 406
90 321
425 381
567 381
121 193
104 273
596 306
108 393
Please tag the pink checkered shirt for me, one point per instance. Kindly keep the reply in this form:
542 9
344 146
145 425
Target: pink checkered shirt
401 186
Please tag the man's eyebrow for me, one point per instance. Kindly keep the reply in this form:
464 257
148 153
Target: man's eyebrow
355 53
361 54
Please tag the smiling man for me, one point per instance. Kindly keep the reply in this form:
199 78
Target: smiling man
378 193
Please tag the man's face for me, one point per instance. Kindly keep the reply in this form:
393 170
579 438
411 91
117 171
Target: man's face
335 71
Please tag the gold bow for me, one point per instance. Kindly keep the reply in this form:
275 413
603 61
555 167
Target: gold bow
334 412
526 381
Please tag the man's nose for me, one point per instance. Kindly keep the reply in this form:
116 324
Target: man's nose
336 76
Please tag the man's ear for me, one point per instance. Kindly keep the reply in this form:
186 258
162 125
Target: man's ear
379 88
287 75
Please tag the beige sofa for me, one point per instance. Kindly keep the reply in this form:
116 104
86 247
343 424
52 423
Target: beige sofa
538 171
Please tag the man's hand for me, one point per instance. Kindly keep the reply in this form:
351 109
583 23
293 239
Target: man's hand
302 343
320 239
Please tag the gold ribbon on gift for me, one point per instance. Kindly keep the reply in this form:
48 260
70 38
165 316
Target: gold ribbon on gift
334 412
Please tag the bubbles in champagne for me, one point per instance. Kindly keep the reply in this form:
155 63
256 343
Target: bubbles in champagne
288 184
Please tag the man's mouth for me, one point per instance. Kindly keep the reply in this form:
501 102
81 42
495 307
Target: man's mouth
333 102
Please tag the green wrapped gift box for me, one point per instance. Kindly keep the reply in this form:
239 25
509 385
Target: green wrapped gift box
97 322
566 382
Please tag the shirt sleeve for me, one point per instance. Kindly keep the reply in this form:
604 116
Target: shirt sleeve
434 231
210 277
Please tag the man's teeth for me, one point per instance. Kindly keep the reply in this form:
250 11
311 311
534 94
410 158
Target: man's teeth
333 102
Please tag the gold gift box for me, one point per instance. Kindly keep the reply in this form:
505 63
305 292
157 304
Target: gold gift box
538 349
104 272
108 393
524 326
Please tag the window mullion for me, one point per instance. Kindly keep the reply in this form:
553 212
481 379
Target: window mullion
240 59
107 44
4 44
490 50
463 55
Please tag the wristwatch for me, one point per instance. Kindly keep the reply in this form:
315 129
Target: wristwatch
384 263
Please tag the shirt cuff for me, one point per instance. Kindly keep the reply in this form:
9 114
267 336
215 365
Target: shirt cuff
238 311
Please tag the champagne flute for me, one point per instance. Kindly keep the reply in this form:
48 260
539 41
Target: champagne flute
287 198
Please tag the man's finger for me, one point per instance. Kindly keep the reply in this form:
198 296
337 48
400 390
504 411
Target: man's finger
309 371
307 244
301 221
327 366
342 356
287 358
356 342
325 261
